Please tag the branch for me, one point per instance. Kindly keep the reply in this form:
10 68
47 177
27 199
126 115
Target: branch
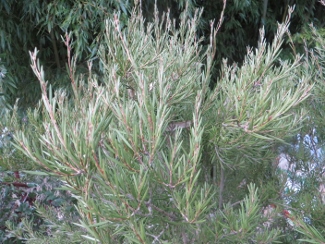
67 42
221 186
15 184
39 72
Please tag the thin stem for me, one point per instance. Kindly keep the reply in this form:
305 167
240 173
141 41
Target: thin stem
222 178
221 187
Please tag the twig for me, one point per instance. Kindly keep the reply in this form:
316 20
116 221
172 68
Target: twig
221 16
222 178
15 184
221 186
71 66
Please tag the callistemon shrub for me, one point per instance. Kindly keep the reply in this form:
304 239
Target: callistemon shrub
133 142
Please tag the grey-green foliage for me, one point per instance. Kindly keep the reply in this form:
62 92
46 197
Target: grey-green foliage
253 109
317 64
307 154
132 148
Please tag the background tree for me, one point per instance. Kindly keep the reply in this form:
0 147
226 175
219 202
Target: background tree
28 24
243 19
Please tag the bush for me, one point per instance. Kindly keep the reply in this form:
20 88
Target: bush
135 148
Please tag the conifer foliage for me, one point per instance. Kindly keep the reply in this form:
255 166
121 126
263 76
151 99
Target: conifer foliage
133 146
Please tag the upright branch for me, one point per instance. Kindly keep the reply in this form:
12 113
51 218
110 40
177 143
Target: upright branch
49 104
71 62
39 72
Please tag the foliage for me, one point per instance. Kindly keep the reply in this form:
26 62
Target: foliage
26 24
251 106
243 19
20 193
133 148
19 199
169 152
307 155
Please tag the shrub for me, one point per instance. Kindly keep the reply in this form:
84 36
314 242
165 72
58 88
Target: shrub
134 148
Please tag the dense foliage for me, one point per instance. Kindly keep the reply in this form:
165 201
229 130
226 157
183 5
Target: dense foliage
149 136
